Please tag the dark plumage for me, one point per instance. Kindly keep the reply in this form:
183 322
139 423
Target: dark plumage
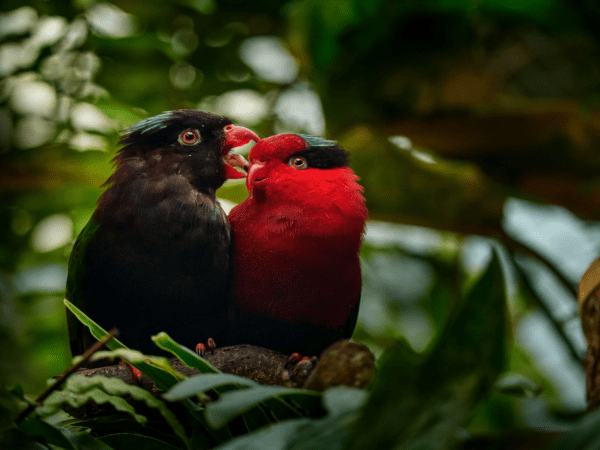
155 253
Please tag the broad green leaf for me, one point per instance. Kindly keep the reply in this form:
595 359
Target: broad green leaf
134 357
50 434
76 399
97 331
129 440
84 440
232 404
163 378
517 384
274 437
79 389
584 436
343 406
420 402
211 378
203 383
340 399
185 355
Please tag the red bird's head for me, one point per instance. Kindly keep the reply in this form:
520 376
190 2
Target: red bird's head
304 180
288 167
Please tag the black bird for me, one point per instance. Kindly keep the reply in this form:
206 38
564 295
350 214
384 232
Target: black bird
155 255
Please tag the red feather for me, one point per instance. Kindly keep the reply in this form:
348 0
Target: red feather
296 239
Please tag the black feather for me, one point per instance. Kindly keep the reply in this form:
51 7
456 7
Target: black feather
155 254
322 153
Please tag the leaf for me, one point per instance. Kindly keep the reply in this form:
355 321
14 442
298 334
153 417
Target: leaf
274 437
129 440
344 406
254 418
76 399
188 357
163 377
84 440
79 389
203 383
517 384
97 331
340 399
420 402
232 404
52 435
583 436
134 357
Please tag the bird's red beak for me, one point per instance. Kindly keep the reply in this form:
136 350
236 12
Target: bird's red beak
256 173
234 137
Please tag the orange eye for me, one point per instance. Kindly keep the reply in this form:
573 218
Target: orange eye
298 162
189 137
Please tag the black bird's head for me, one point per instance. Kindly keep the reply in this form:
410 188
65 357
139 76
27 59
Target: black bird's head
186 141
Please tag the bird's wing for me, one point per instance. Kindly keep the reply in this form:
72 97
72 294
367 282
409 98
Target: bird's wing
79 336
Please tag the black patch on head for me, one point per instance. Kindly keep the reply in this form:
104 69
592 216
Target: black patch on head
322 154
163 130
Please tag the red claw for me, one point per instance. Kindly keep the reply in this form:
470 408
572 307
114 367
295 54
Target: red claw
135 373
201 348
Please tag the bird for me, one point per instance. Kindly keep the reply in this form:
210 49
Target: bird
296 242
155 254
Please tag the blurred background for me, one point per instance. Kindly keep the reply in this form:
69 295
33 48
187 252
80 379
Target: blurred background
473 124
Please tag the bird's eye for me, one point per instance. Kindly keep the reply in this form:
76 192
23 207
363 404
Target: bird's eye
189 137
298 162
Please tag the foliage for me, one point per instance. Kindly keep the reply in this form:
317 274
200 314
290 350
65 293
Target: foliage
453 113
309 417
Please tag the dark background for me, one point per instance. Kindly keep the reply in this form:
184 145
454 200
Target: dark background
474 125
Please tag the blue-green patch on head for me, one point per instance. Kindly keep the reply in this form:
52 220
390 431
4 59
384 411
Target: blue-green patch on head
316 141
151 124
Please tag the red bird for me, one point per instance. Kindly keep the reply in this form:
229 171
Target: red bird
296 240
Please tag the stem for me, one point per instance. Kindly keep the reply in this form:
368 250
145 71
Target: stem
60 380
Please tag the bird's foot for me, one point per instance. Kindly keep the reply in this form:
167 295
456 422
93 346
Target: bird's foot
201 348
297 369
135 373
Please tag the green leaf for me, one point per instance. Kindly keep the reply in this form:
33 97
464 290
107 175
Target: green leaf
52 435
203 383
517 384
420 402
188 357
97 331
100 389
129 440
274 437
583 436
84 440
158 369
341 399
76 399
331 432
211 378
232 404
135 358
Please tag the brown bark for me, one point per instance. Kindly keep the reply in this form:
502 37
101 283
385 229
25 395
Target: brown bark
589 302
259 364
